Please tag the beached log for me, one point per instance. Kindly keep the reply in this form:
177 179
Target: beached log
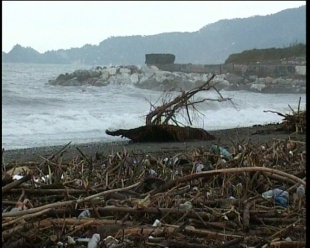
162 133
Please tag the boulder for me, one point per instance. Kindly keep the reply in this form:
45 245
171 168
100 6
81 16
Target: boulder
101 82
125 70
234 79
134 78
72 82
112 71
150 83
258 87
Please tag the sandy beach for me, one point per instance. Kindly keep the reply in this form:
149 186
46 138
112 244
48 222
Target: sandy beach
256 134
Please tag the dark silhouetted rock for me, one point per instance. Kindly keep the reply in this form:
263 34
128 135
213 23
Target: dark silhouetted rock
159 59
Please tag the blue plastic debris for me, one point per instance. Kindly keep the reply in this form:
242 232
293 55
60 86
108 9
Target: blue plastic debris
280 196
221 150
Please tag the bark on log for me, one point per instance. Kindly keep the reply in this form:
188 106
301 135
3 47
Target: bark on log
162 133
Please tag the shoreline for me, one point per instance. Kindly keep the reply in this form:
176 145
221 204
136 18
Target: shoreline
224 137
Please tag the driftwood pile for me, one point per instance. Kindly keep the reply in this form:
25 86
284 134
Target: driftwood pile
294 122
197 198
161 123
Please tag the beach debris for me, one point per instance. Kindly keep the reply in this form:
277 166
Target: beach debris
293 122
199 167
161 124
152 173
196 198
300 191
157 223
221 151
110 242
186 205
280 196
60 244
71 241
162 133
85 214
239 190
150 183
94 241
19 170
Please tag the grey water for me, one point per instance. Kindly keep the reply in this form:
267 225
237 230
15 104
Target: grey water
36 114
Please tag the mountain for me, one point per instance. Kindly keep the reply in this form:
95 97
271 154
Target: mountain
212 44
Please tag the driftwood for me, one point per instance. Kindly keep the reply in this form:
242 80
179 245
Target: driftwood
158 121
167 112
162 133
294 122
220 207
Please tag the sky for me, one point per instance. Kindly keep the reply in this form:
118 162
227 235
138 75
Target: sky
53 25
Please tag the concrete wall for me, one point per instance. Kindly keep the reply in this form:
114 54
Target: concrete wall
260 70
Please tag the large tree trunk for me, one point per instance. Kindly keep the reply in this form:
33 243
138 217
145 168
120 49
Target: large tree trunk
162 133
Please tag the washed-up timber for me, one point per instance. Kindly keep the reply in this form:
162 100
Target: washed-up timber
158 127
162 133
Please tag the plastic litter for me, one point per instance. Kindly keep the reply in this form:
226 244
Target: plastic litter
85 214
301 191
71 240
199 167
110 242
280 196
186 205
93 242
221 150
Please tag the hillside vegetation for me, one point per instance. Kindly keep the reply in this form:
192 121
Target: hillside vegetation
268 55
211 44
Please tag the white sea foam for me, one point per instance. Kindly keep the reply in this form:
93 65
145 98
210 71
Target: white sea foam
35 114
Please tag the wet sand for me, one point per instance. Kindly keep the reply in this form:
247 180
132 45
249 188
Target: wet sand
255 134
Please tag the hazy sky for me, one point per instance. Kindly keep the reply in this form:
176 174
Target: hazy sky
49 25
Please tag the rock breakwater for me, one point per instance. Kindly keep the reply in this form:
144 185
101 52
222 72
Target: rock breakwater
150 77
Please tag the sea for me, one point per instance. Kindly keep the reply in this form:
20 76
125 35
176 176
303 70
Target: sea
36 114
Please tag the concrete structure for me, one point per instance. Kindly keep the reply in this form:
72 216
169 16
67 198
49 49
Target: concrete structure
260 70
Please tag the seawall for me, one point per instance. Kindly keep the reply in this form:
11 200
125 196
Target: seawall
260 70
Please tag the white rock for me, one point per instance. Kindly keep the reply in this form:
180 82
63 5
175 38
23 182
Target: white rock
160 79
258 87
205 77
125 70
146 69
134 78
253 77
262 81
154 68
300 70
112 80
144 78
178 74
194 75
269 79
282 81
112 71
105 71
162 73
105 75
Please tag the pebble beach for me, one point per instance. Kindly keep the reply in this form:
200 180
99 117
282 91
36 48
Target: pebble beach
255 134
